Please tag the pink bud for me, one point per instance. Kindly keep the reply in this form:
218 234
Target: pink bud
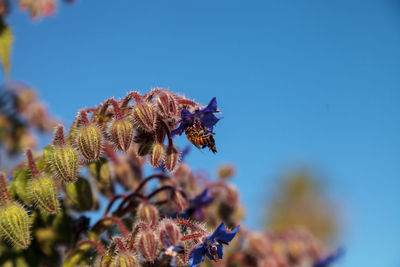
171 157
179 201
148 213
166 104
145 116
147 244
157 154
169 233
122 134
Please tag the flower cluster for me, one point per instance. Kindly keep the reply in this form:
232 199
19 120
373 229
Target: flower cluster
143 224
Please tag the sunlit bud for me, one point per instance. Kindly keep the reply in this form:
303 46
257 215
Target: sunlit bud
147 245
179 201
157 154
145 116
122 134
44 194
171 157
148 213
126 260
166 104
80 194
14 219
64 159
42 188
169 233
226 171
89 139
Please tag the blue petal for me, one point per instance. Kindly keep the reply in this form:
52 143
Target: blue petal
186 114
178 131
196 256
220 251
211 107
227 237
218 232
326 261
208 120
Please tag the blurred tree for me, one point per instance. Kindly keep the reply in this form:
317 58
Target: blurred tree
300 201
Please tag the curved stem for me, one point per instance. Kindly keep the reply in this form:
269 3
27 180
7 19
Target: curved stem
161 189
112 201
31 163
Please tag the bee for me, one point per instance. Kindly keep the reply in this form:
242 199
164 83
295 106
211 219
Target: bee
198 136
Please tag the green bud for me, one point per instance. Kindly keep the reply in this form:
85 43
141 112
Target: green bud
65 163
44 194
80 194
145 116
157 154
89 140
122 134
126 260
171 157
15 224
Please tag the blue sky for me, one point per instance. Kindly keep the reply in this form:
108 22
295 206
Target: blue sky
307 82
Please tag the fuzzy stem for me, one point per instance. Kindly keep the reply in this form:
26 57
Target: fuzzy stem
117 110
154 92
192 236
96 245
120 245
170 141
117 221
59 136
159 176
161 189
84 118
123 206
5 196
115 198
31 163
188 224
187 102
132 95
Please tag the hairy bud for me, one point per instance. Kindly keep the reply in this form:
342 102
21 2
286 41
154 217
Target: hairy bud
80 194
171 157
169 233
148 213
64 160
89 140
145 116
122 134
15 224
44 194
126 260
166 104
157 154
147 245
179 201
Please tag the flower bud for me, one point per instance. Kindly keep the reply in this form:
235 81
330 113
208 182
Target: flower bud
145 116
89 140
80 194
15 224
171 157
169 233
147 245
157 154
44 194
166 104
148 213
179 201
226 171
126 260
122 134
65 163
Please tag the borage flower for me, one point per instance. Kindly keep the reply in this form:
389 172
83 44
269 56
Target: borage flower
195 206
204 116
212 246
330 258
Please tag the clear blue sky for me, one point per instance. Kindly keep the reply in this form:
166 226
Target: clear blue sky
299 82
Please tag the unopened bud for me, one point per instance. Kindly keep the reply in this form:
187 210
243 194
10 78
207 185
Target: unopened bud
166 104
89 140
64 160
145 116
169 233
148 213
15 224
122 134
147 245
171 157
157 154
226 171
126 260
44 194
80 194
179 201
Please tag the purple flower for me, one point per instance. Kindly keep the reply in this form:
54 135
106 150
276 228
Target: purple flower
204 116
195 206
212 246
